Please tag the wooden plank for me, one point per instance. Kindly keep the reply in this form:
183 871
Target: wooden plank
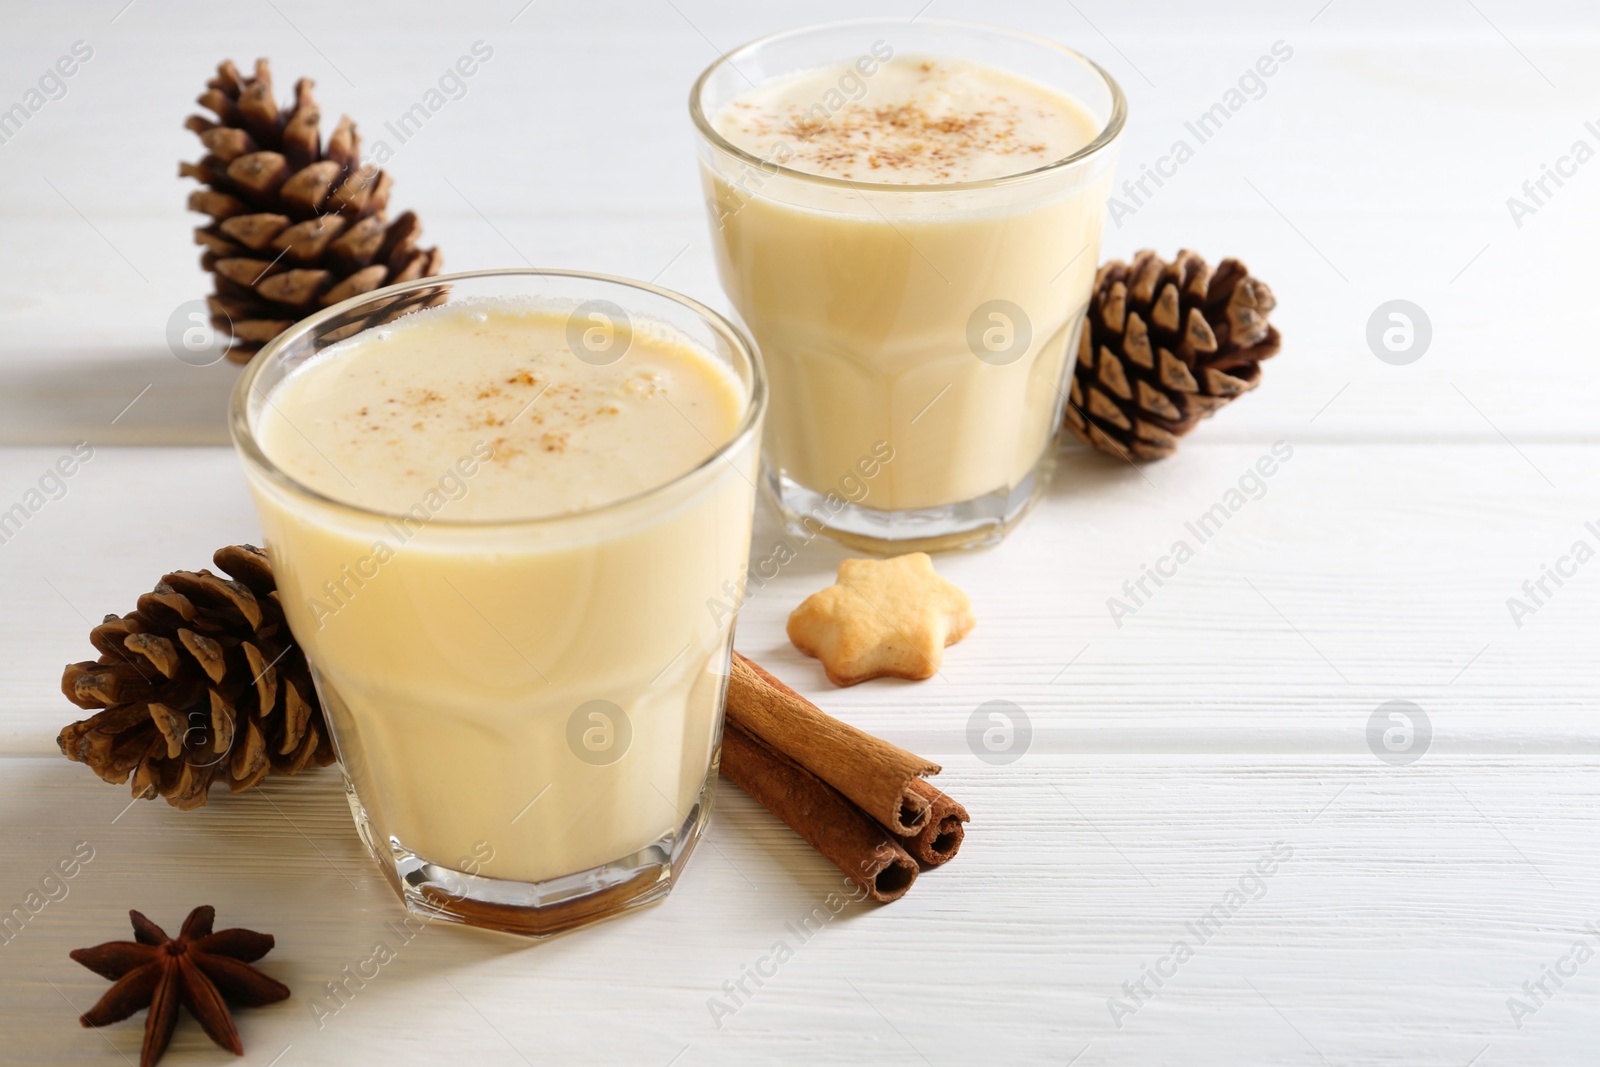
1363 574
1334 225
1407 905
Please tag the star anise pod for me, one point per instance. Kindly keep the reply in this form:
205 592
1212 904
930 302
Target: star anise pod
204 971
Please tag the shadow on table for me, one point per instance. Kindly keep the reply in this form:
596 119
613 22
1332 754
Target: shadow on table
113 397
791 876
1082 471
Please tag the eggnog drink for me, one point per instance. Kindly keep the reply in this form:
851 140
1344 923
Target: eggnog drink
911 237
497 553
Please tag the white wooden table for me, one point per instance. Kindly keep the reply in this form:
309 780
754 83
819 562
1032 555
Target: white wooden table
1229 713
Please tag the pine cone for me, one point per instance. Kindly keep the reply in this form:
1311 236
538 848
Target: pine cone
297 224
1163 346
202 683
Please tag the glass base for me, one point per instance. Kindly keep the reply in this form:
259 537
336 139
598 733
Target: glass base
984 520
433 891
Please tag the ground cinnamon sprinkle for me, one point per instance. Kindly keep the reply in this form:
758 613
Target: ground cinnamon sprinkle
940 124
903 136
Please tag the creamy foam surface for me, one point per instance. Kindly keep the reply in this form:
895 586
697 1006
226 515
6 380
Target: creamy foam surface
921 120
380 420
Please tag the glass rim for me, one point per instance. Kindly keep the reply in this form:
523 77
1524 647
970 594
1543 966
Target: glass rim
1108 132
245 443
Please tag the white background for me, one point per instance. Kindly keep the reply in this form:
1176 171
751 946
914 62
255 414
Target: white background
1167 754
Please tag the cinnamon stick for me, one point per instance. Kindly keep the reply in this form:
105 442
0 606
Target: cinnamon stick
816 811
877 776
941 839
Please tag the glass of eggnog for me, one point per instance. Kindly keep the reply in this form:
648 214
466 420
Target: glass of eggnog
503 509
907 216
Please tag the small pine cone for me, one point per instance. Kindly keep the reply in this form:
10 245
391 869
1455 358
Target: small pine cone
297 224
1163 346
201 683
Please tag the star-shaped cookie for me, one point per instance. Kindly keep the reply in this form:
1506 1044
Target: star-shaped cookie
882 617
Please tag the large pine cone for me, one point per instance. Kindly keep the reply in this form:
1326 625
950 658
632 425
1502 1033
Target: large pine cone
297 225
202 683
1163 346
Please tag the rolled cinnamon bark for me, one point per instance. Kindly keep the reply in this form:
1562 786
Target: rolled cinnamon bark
877 776
816 811
941 839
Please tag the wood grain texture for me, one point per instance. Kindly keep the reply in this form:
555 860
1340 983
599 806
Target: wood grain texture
1415 902
1365 573
1167 754
1358 176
